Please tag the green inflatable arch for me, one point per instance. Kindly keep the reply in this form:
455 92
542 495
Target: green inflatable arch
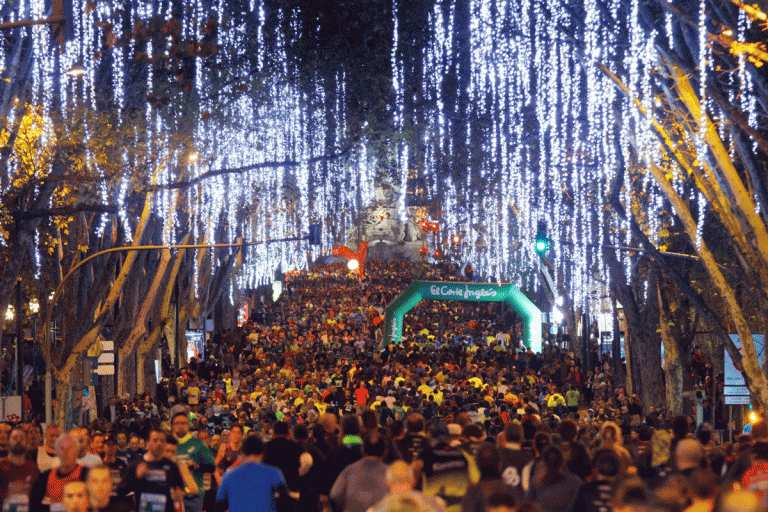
469 292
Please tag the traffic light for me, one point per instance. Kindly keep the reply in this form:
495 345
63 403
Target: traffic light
315 234
541 245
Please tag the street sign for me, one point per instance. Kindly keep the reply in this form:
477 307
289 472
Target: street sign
735 391
10 408
733 379
105 363
736 400
106 369
107 358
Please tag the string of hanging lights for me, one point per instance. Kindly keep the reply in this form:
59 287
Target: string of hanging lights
525 70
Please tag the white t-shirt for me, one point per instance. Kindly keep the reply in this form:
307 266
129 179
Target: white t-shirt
89 460
45 461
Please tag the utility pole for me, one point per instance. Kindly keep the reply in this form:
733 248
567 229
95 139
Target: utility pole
176 326
19 340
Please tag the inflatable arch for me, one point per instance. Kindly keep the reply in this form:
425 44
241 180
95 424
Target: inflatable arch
469 292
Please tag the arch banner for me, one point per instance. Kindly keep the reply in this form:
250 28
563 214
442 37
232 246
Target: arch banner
468 292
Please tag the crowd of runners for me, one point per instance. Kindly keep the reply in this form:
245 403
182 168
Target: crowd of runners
304 408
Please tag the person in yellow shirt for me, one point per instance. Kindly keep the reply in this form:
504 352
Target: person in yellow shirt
555 399
228 381
424 388
193 396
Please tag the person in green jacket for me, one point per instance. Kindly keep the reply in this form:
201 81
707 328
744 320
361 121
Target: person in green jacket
193 452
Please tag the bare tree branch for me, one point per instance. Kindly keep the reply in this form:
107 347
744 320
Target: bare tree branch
237 170
64 211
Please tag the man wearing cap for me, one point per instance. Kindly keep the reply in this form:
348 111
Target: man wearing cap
193 395
117 466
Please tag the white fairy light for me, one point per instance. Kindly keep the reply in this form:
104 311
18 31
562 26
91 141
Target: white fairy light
523 80
703 59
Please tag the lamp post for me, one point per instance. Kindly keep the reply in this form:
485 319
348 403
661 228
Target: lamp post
34 308
19 338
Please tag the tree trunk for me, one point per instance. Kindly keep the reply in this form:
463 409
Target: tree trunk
140 322
643 343
673 369
164 315
753 374
65 372
141 355
623 327
646 354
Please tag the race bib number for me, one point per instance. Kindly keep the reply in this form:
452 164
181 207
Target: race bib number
151 502
206 481
116 478
511 476
155 475
16 503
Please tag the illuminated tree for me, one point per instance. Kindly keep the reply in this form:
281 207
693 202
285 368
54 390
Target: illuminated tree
495 115
708 164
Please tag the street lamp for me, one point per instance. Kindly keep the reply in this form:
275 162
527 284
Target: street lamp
76 70
34 308
353 264
10 313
